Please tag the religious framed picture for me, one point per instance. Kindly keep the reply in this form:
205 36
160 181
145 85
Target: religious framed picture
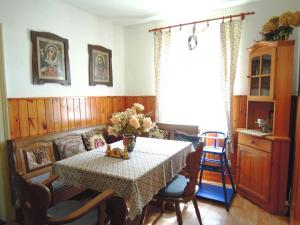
50 58
100 67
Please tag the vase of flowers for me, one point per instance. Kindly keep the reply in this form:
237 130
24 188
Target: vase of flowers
281 27
130 124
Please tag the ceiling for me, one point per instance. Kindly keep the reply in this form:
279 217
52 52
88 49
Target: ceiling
138 11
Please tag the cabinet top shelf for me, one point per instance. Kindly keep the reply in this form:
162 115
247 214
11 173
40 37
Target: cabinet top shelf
260 44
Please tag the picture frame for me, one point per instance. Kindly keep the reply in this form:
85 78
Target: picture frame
100 66
50 58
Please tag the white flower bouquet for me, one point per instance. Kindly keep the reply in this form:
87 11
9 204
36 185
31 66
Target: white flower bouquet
131 122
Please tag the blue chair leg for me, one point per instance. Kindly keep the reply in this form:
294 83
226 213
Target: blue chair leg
229 173
223 181
201 169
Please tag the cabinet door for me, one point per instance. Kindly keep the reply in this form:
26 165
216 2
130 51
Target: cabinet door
261 75
254 172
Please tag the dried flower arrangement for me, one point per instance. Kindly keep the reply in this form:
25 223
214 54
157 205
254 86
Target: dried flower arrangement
280 27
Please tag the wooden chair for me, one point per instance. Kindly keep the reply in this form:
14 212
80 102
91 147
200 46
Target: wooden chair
181 189
35 200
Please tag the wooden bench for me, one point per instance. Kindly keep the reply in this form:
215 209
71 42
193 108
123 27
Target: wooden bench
19 149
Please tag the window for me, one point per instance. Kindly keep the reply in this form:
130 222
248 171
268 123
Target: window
190 90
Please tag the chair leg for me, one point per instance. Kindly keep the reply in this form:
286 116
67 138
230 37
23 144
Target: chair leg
197 210
229 173
116 210
201 170
163 205
143 216
223 181
178 214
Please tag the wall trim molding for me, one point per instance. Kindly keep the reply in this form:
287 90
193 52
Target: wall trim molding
6 212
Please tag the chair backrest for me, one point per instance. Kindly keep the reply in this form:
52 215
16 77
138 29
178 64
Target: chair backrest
34 200
214 139
193 165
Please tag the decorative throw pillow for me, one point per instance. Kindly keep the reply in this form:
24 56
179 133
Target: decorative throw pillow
69 146
181 136
38 155
159 133
92 141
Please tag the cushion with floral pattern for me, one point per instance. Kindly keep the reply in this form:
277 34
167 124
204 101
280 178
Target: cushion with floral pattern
38 155
93 141
69 146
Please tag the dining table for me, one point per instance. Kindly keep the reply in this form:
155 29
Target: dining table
152 164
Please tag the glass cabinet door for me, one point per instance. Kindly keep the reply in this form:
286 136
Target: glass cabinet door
260 76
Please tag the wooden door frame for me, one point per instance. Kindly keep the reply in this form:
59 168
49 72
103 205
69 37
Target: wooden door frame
7 212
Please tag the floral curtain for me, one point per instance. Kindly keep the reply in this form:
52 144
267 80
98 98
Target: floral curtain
230 35
161 53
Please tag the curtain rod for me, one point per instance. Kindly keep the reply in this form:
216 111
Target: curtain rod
242 15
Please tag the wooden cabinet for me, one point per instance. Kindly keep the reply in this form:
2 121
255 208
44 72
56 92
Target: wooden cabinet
262 158
255 172
262 171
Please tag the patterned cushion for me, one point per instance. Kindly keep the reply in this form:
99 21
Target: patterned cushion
181 136
159 133
92 141
38 155
69 146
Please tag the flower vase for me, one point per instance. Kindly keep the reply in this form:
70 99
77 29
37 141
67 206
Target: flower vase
129 142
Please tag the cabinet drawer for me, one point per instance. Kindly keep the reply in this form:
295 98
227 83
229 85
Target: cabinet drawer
255 142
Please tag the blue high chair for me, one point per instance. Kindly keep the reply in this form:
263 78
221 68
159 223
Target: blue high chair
214 142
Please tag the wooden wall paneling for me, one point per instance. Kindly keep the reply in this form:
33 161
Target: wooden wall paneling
71 114
41 115
103 109
149 103
93 111
32 117
98 110
56 114
109 108
88 111
14 122
82 112
64 114
77 112
129 101
49 115
23 116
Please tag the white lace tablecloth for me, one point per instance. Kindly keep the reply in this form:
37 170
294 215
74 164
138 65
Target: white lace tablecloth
153 163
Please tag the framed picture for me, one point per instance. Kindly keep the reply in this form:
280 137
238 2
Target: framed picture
50 58
100 68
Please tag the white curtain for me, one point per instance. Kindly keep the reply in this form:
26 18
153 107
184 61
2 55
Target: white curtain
161 55
230 35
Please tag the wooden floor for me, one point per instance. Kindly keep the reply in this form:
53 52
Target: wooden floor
242 212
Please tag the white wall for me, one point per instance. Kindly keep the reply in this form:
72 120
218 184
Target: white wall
19 17
139 67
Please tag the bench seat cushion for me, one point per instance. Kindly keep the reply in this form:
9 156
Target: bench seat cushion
64 208
39 179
